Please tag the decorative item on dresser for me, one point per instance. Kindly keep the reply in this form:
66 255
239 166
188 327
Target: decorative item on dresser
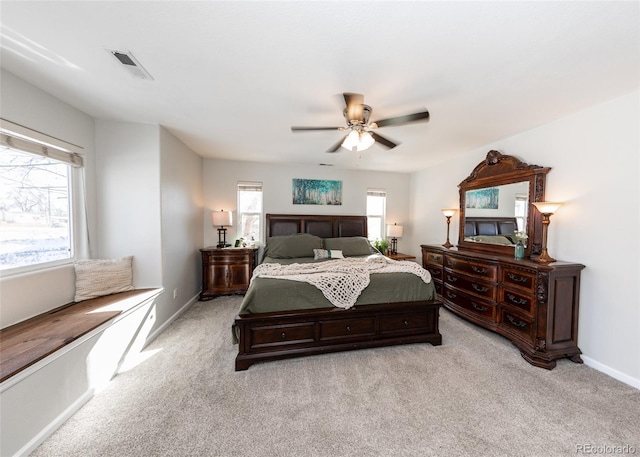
448 213
226 271
533 303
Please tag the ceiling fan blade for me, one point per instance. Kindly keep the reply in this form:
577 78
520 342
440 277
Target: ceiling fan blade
383 141
416 117
337 146
301 129
354 104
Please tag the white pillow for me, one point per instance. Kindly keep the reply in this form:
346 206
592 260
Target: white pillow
327 254
98 277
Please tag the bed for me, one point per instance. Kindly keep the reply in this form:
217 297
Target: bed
282 318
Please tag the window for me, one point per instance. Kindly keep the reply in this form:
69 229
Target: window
36 199
376 208
521 211
250 210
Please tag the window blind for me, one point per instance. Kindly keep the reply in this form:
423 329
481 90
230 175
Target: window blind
38 144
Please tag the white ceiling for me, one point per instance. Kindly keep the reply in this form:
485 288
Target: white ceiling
231 78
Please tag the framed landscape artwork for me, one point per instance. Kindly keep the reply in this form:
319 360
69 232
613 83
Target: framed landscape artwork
483 198
316 192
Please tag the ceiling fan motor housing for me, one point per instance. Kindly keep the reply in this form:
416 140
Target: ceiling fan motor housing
364 120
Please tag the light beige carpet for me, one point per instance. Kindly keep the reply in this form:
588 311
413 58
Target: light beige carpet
472 396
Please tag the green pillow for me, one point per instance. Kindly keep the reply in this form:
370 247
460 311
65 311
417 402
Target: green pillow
350 246
292 246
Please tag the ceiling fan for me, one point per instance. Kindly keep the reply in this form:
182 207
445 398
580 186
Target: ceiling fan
361 133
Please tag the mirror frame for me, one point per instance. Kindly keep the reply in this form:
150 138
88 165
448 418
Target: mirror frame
496 170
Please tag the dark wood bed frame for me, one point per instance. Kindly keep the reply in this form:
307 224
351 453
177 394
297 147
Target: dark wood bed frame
279 335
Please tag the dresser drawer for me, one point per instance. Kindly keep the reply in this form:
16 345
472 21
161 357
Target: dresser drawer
471 285
488 271
475 305
433 258
515 323
436 272
521 279
522 301
281 335
341 328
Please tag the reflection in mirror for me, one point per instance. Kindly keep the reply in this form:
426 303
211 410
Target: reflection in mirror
508 202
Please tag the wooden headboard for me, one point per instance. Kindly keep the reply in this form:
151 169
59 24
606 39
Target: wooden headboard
490 226
324 226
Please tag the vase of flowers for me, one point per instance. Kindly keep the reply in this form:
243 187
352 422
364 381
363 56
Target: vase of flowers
521 239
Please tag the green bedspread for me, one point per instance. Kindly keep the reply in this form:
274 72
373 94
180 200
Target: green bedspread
267 294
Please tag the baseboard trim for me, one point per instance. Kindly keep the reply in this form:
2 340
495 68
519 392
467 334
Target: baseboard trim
159 330
633 382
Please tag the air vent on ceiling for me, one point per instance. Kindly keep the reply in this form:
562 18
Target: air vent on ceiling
130 64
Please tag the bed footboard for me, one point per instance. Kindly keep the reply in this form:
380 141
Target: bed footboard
279 335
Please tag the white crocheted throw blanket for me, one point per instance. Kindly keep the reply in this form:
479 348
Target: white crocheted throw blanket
341 280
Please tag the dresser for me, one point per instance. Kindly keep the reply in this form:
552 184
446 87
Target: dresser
226 271
532 304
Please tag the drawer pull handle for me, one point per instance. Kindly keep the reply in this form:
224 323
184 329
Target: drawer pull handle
479 308
478 288
348 328
451 278
478 269
516 278
516 300
450 295
406 323
284 335
517 323
453 263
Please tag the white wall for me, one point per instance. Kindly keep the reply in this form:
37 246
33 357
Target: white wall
182 224
595 170
221 178
128 196
26 295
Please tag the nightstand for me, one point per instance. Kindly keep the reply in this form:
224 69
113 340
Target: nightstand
226 271
401 256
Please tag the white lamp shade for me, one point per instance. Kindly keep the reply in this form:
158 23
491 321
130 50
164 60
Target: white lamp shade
547 207
221 218
366 141
394 231
351 141
448 212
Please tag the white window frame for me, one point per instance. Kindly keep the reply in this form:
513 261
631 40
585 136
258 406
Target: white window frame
382 217
256 186
26 140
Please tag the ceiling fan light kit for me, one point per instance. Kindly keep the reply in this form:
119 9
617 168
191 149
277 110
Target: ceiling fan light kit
360 134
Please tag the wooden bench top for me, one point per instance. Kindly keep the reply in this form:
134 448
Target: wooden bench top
25 343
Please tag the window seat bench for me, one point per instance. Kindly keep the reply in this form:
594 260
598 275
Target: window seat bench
27 342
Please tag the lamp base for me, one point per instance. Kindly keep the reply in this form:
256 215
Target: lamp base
544 258
448 245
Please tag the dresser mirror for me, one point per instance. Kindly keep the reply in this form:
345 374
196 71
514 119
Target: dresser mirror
495 206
